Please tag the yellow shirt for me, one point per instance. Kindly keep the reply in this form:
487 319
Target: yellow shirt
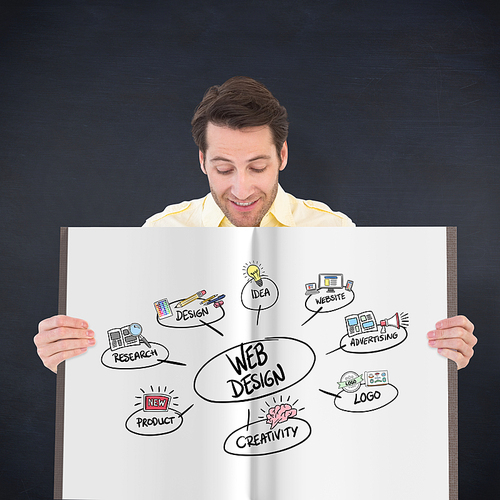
286 211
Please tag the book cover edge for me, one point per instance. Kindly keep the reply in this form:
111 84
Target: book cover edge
59 436
451 247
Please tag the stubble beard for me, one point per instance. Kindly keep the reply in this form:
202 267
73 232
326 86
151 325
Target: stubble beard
247 221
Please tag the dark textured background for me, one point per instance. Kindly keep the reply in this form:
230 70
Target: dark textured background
395 119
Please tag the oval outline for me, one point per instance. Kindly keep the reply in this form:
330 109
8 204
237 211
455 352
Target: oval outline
269 339
333 310
373 352
161 433
271 452
194 326
374 409
260 308
135 367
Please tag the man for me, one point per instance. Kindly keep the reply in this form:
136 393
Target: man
241 130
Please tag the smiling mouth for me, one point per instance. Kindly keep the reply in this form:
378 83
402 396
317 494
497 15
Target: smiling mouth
244 206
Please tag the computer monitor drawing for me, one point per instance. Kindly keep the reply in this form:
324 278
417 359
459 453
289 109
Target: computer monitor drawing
331 281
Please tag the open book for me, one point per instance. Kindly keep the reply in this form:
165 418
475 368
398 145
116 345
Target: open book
257 363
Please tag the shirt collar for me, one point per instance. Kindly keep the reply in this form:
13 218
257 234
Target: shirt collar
213 216
280 210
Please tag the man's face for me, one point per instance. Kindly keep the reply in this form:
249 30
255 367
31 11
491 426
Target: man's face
242 166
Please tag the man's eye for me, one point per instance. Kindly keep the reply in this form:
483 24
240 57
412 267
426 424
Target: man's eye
223 172
258 170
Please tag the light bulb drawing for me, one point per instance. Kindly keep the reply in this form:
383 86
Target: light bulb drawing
264 295
253 272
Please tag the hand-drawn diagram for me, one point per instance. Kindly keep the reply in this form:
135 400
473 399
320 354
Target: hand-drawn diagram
330 294
130 350
280 414
260 368
364 337
126 336
253 370
376 393
156 416
280 430
191 312
255 410
260 292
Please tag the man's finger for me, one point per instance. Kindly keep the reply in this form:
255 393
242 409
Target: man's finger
454 344
59 334
61 321
72 344
455 321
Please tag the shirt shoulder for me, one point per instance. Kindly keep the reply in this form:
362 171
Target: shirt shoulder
312 213
184 214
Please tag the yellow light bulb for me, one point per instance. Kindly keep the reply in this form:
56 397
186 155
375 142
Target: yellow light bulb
254 272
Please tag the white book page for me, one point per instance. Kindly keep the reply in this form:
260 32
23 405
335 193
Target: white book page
205 383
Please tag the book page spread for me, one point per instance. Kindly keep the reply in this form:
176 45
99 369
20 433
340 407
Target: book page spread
266 363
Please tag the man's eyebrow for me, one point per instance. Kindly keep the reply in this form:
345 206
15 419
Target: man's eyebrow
255 158
219 158
260 157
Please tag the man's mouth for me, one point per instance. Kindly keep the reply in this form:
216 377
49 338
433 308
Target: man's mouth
243 206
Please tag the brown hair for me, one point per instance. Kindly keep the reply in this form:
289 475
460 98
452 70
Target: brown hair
238 103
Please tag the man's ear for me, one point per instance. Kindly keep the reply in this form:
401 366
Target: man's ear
284 155
202 162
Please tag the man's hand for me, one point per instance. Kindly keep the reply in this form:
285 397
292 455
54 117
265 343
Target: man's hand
60 338
454 339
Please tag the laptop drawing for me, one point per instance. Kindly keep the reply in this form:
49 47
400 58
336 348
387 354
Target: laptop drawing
311 289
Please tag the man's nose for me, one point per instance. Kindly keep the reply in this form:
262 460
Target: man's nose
242 186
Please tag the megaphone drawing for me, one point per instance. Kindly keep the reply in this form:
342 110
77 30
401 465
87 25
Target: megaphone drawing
396 321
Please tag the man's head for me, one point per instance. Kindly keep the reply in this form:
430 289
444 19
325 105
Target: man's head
241 129
238 103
